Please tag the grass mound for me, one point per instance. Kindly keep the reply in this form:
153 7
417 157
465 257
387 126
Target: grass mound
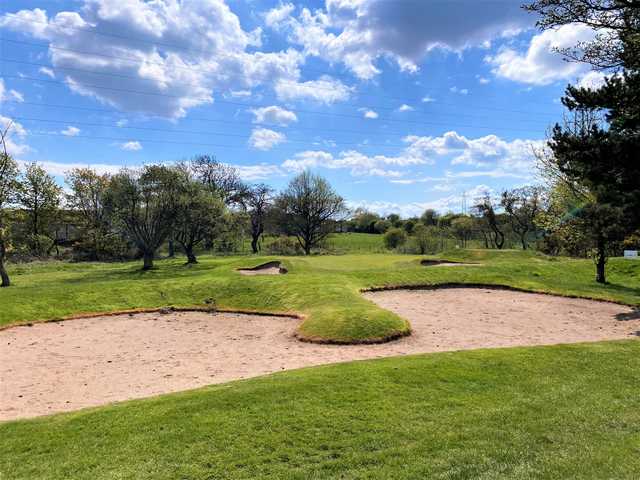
325 289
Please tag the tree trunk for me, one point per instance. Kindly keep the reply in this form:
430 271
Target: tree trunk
601 261
148 260
4 276
191 257
172 249
254 244
523 240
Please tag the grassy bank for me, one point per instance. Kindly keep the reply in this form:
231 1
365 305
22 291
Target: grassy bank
323 288
543 413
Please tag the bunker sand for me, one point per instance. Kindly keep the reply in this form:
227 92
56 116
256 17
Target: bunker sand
55 367
269 268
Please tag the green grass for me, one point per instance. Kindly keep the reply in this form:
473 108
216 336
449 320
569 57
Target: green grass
326 289
570 411
525 413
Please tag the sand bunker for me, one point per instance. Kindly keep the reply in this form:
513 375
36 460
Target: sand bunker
269 268
445 263
54 367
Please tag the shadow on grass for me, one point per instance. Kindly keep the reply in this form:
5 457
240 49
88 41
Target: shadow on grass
133 271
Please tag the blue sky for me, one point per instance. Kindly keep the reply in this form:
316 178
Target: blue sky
402 104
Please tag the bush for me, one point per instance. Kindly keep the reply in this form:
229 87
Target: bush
284 246
395 238
425 239
381 226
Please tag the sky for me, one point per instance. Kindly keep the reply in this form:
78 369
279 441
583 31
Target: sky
402 105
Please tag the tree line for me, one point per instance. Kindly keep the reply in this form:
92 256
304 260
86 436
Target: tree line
134 212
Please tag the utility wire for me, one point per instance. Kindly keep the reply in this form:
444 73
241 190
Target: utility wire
298 85
313 112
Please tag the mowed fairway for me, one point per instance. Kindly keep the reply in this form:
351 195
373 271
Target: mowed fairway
566 411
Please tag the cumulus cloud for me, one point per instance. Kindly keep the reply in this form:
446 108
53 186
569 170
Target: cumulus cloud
359 32
251 173
178 53
326 90
428 99
275 115
131 146
70 131
449 203
16 134
370 114
405 108
265 139
541 64
497 157
277 16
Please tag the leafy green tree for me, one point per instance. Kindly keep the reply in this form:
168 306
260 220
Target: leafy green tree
426 238
39 196
522 206
200 214
382 226
258 202
602 156
308 207
87 198
8 186
462 227
491 221
429 217
394 238
144 204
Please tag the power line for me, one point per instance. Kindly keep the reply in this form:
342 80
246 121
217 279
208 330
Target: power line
211 120
298 84
130 77
313 112
193 132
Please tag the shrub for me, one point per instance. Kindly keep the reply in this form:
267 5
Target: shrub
395 238
284 246
381 226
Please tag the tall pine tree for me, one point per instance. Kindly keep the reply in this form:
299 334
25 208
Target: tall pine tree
605 157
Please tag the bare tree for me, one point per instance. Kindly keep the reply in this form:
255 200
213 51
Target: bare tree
522 205
307 207
486 210
144 205
258 201
223 180
8 185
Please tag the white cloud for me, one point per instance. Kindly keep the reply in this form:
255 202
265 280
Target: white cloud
131 146
461 91
593 80
9 94
179 53
359 32
122 123
326 90
541 64
370 114
70 131
15 133
450 203
252 173
265 139
482 80
275 17
275 115
428 99
405 108
47 71
497 157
